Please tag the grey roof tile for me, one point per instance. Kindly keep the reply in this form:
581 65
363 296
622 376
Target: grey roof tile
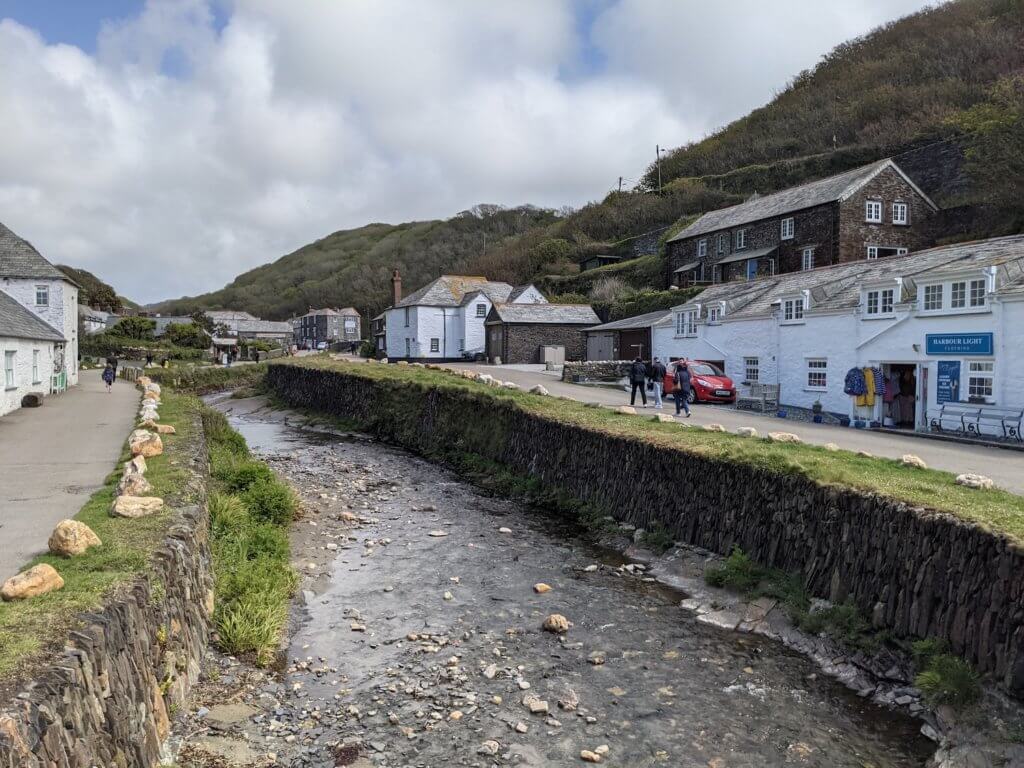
19 258
630 323
18 322
546 314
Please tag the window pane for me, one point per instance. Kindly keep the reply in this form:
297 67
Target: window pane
958 295
977 293
933 297
887 300
873 303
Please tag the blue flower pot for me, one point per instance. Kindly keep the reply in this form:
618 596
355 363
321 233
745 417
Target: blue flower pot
817 418
860 424
781 414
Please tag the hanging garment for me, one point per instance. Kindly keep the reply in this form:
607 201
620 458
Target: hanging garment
892 388
867 400
855 384
879 377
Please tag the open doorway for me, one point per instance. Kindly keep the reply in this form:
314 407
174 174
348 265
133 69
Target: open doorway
900 398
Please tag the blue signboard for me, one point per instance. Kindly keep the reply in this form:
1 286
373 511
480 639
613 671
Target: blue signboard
958 343
947 383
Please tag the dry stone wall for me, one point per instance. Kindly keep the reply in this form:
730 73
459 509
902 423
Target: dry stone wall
107 700
918 573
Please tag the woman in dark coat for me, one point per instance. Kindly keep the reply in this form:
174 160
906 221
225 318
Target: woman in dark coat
108 376
682 390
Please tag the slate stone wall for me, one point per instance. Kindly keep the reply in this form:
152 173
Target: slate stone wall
596 370
522 343
108 698
920 572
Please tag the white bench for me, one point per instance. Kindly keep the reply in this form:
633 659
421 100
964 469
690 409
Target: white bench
763 395
979 420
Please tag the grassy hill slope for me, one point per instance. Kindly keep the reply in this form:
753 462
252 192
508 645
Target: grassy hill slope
95 293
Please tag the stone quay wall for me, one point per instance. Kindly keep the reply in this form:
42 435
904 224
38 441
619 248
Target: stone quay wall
596 370
108 698
918 573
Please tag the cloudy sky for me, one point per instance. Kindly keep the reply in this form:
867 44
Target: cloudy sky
168 145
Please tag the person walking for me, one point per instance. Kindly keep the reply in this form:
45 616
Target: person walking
657 381
638 381
682 390
112 362
108 376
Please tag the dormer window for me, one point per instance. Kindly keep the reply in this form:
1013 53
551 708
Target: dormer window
879 302
686 322
786 229
42 295
714 314
873 211
481 310
793 310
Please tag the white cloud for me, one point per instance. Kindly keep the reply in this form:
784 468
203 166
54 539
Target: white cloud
292 122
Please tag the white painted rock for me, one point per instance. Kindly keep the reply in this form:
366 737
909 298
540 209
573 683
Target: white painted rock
910 460
72 537
136 506
510 385
149 396
37 580
134 484
746 432
145 443
972 480
402 362
153 387
628 410
383 360
714 428
865 454
784 437
538 389
484 378
663 418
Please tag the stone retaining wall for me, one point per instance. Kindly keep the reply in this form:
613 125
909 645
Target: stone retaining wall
107 700
596 370
917 572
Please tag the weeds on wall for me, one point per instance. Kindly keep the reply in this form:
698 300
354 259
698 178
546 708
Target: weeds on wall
944 678
250 511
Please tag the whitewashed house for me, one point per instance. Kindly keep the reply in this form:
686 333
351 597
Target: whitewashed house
27 353
945 325
444 320
46 292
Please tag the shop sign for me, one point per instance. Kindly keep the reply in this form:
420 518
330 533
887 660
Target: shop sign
948 382
958 343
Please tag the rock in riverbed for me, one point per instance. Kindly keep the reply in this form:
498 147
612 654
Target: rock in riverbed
556 623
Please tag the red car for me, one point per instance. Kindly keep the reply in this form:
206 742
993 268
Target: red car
707 383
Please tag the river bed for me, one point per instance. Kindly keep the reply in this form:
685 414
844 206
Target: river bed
418 638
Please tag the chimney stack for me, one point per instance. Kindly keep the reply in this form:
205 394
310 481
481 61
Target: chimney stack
396 288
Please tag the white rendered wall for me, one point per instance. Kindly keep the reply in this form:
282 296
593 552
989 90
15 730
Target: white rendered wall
10 399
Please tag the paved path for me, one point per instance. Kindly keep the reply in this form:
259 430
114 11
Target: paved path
53 458
1005 467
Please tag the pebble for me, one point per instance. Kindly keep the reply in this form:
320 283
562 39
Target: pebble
489 747
589 757
541 588
503 529
590 568
556 623
438 534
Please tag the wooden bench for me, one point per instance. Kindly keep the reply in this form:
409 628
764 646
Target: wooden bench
764 395
971 419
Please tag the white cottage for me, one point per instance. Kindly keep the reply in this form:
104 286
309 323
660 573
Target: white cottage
46 292
444 320
943 326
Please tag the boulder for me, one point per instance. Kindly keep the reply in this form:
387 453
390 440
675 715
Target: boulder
136 506
165 429
71 537
143 381
628 410
664 418
538 389
714 428
784 437
556 623
150 396
510 385
37 580
972 480
137 464
541 588
910 460
145 443
402 362
153 387
746 432
830 447
382 360
134 484
32 400
484 378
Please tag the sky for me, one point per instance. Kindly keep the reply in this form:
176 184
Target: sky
169 145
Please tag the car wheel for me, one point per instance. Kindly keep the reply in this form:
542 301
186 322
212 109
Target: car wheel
692 397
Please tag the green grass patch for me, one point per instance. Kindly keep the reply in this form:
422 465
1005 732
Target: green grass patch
203 379
994 509
29 627
249 516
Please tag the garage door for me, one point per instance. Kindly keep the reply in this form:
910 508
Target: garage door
600 346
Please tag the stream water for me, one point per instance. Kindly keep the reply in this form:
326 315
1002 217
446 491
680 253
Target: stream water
419 639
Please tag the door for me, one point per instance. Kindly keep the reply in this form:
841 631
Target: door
600 346
922 401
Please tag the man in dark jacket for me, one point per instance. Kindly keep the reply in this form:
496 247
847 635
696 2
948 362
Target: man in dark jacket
657 380
638 380
682 390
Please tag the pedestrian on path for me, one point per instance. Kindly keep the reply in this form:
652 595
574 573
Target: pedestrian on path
657 381
682 390
108 376
112 362
638 381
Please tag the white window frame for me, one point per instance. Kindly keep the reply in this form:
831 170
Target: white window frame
807 259
751 369
740 239
981 379
722 240
702 248
408 347
35 367
880 302
10 369
817 374
787 228
976 293
435 344
873 211
714 314
42 292
958 294
793 310
481 310
928 294
406 317
686 322
901 214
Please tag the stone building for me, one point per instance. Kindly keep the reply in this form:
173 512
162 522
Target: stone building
517 333
329 325
867 213
624 339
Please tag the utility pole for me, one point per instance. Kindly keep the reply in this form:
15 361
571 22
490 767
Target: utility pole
657 152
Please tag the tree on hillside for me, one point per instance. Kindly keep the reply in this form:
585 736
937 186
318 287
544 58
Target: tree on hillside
94 292
134 328
188 335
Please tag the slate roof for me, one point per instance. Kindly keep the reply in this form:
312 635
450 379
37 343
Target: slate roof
263 326
19 258
452 291
839 287
347 311
633 323
18 322
545 314
808 195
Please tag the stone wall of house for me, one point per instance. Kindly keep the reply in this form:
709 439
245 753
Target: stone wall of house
107 699
916 572
522 343
855 234
596 370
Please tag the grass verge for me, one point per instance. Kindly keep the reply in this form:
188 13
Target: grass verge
28 628
994 509
250 510
202 380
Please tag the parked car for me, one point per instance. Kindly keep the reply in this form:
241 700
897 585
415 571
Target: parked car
708 383
321 346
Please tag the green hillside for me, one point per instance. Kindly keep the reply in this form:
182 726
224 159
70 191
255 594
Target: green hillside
94 292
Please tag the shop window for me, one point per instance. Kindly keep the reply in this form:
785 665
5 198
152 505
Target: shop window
900 213
873 211
932 298
817 373
786 229
980 377
751 369
792 310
